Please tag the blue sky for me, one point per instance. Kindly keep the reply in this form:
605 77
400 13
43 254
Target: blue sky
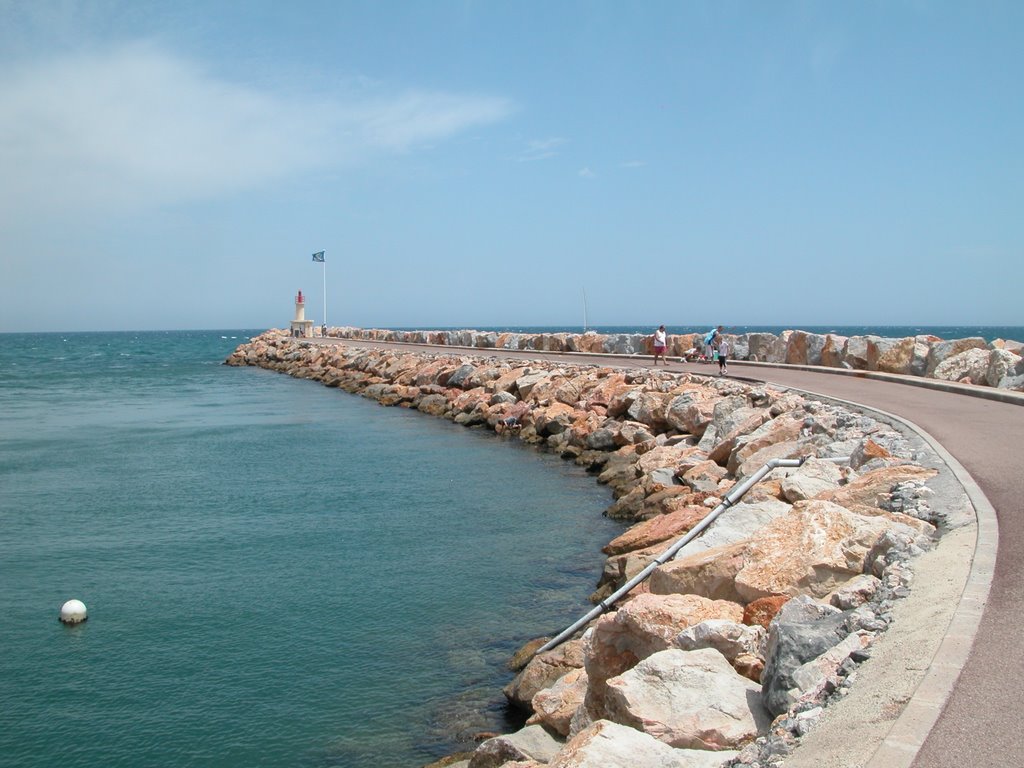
174 165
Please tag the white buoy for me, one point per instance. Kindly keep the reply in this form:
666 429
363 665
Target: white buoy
73 612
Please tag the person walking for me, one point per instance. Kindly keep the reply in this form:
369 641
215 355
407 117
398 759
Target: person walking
723 355
660 343
710 342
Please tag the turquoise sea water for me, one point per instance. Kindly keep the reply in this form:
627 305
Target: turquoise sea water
277 573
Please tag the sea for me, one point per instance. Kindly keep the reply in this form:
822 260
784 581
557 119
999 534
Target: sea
276 573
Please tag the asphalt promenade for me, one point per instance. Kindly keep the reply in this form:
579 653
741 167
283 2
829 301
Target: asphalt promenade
966 710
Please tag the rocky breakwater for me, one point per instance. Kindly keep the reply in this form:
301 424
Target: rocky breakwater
728 653
967 361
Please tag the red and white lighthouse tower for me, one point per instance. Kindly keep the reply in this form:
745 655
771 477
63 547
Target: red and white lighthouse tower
301 327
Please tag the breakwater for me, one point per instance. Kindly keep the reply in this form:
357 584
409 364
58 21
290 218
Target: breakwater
729 651
974 360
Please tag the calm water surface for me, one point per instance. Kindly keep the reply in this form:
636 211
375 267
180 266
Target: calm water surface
277 573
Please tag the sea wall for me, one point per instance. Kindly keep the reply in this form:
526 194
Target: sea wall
969 361
727 654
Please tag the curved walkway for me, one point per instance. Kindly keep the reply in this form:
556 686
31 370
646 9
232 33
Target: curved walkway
954 720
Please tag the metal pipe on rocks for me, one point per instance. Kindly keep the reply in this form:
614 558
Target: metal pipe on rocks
730 499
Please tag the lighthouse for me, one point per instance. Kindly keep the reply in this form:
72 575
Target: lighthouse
301 327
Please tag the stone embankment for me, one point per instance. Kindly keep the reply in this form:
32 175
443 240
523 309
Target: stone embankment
968 361
728 653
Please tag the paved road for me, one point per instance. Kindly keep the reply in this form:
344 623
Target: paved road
980 725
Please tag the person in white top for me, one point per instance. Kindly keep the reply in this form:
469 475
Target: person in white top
660 342
723 355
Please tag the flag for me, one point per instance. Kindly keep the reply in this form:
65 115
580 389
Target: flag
318 256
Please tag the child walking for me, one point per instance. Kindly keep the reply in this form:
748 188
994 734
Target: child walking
723 355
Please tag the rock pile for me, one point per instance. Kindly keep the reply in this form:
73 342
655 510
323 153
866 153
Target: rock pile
728 652
969 361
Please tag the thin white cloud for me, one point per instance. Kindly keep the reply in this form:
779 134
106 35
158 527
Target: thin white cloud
540 149
138 126
586 173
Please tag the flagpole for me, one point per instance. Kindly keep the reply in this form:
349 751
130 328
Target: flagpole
319 256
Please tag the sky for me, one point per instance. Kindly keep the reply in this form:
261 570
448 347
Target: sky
174 165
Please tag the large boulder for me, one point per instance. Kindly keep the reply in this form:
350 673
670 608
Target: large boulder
742 646
660 528
531 743
855 353
907 356
608 386
554 707
632 433
801 632
711 573
649 408
779 347
1004 369
971 365
814 476
623 344
689 412
460 375
805 348
1009 345
484 375
732 418
786 427
688 699
553 419
738 523
759 346
485 340
621 399
867 494
879 346
705 476
942 350
570 391
435 405
506 382
663 456
543 671
526 383
740 347
832 351
605 744
620 568
813 550
643 626
799 448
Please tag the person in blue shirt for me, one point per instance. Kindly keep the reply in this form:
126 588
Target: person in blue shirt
710 342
